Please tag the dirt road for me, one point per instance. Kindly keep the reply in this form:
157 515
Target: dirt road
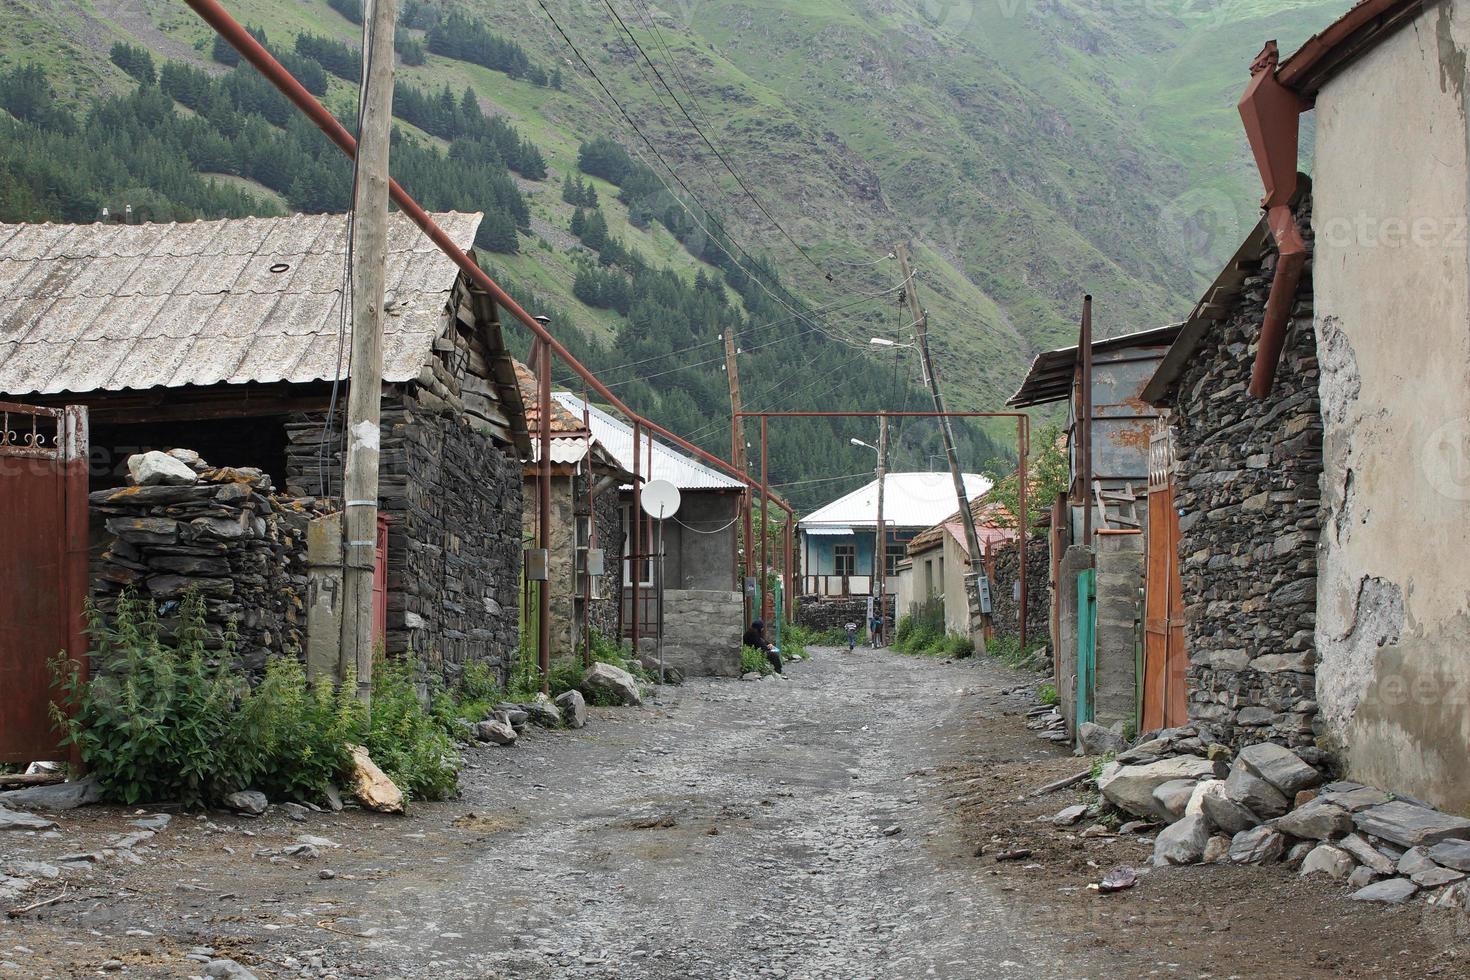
821 826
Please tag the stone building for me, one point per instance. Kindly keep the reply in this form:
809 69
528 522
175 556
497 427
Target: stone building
1245 484
225 338
703 606
937 561
586 519
1329 600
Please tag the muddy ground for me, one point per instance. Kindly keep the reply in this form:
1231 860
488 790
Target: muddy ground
822 826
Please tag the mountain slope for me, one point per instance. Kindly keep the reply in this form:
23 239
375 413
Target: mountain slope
1029 151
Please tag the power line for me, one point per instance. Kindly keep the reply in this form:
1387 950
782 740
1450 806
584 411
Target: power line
714 149
649 143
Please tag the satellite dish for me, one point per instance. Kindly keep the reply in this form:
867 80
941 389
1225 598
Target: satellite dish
660 499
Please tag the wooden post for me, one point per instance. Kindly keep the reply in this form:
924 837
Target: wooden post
946 432
364 393
1023 440
737 424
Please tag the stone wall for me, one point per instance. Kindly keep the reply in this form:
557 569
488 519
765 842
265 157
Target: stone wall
453 500
224 533
1247 490
834 613
702 632
1005 608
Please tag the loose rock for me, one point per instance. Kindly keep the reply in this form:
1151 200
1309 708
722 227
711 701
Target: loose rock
495 731
1182 843
573 708
1131 788
1097 740
1331 861
371 786
1259 845
1410 825
1452 854
1366 854
251 801
55 797
1279 766
613 682
18 820
1316 821
154 468
1254 793
1174 796
1394 891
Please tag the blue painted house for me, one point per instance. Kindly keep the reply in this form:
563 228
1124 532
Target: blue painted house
838 540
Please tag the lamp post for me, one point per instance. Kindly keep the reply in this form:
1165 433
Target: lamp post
879 584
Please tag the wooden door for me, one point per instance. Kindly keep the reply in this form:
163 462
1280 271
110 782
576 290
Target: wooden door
1165 660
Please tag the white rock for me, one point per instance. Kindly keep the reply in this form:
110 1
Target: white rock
1131 788
155 468
371 786
1329 860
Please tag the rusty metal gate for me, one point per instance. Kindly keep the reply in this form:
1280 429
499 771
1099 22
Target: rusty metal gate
43 567
1165 661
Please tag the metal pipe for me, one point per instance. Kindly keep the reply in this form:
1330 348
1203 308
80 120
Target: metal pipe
252 51
1023 439
593 486
765 528
635 548
1084 420
789 592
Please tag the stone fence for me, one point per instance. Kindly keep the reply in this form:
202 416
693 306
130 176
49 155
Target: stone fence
823 613
1005 604
221 532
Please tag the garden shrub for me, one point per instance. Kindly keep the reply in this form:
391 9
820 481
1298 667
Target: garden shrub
753 661
304 730
160 721
406 741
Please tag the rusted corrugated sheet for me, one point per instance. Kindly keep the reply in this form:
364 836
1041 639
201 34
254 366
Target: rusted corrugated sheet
115 307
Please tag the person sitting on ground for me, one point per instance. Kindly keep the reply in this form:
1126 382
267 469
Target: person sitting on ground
756 637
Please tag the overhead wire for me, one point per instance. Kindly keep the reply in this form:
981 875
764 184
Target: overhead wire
760 205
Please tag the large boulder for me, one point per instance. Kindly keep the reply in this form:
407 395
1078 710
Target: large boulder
1279 766
1329 860
1259 845
251 801
573 708
1131 788
1255 794
543 711
495 730
1097 740
1316 821
1410 826
1183 842
1174 796
608 683
1394 891
154 468
1224 812
55 797
1452 854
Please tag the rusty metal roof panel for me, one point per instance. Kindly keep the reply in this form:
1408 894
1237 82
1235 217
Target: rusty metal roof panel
113 307
1051 375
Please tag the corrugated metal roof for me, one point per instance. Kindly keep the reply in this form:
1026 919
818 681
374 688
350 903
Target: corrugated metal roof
616 437
113 307
909 500
1052 373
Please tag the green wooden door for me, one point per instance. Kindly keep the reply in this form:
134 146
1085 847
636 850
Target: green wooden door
1086 643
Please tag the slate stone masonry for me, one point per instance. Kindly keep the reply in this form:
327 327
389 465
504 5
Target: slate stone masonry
1248 492
1005 608
453 501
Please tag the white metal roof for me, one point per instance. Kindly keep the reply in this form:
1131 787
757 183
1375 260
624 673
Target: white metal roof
909 500
616 437
108 307
829 531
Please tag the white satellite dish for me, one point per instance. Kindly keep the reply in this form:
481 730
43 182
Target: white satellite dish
660 499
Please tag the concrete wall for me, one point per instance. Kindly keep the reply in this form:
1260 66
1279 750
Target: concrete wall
1120 563
702 631
1074 559
1390 213
703 561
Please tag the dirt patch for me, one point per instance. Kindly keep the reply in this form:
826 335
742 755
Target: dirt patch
1214 920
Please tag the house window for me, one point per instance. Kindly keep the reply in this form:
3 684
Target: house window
646 566
844 559
890 560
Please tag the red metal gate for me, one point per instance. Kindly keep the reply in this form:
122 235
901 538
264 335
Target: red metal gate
43 567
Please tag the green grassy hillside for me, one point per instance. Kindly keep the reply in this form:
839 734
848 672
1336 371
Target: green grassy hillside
1029 150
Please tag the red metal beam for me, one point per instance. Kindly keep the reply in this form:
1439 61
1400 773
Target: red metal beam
252 51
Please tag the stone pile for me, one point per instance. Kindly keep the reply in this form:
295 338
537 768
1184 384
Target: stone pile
1270 804
182 524
1005 603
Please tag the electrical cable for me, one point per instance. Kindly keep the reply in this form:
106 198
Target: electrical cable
760 205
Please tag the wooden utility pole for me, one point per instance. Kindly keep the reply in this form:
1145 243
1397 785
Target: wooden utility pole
737 424
369 256
926 363
880 542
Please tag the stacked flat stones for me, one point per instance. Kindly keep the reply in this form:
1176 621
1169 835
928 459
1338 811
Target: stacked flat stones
1270 805
1247 490
1005 607
184 525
